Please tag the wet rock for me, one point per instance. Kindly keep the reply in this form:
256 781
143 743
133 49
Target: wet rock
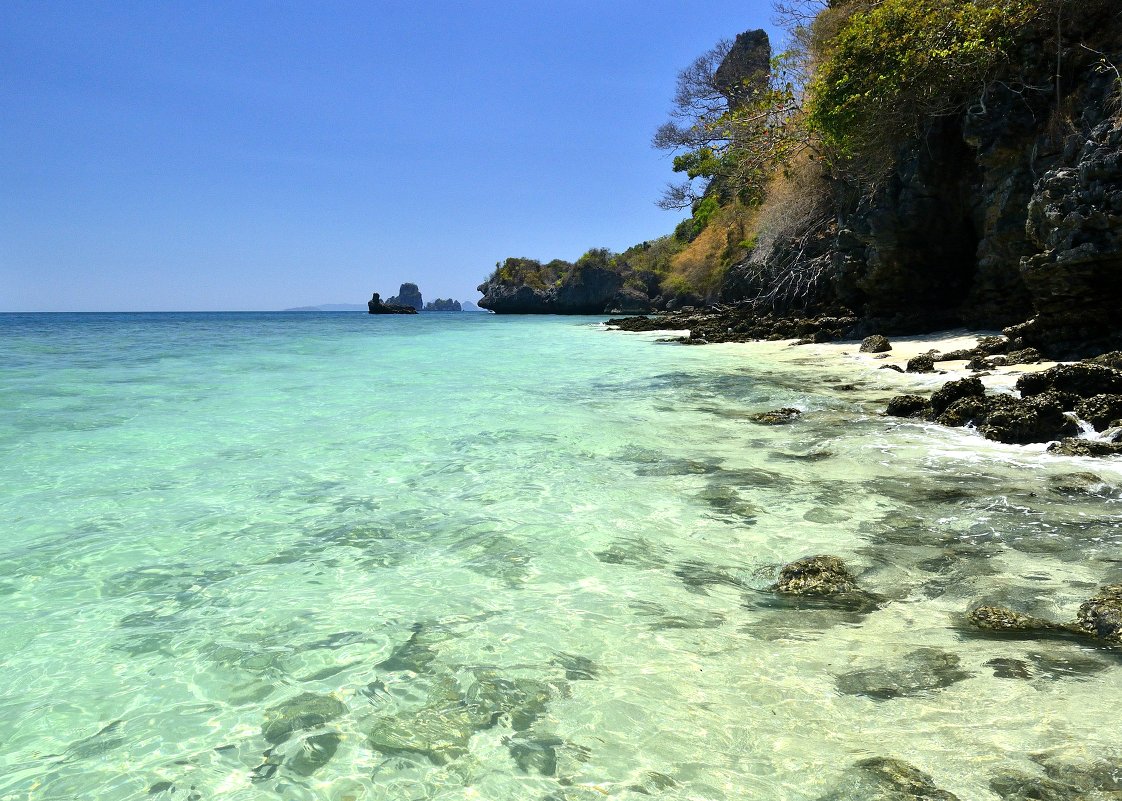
1019 422
961 355
993 345
886 779
924 363
877 343
908 406
776 417
979 363
1072 446
963 412
1082 378
305 711
1100 410
923 670
815 575
1101 616
895 367
952 391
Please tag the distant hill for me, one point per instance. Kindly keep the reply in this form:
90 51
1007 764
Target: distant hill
467 305
330 307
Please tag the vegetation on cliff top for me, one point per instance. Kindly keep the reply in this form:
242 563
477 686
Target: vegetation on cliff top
763 155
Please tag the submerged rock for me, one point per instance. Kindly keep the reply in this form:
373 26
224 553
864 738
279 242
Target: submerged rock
815 575
1099 619
877 343
315 752
776 417
305 711
437 732
886 779
1001 620
920 671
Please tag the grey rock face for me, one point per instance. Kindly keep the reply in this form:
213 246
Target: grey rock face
746 69
408 295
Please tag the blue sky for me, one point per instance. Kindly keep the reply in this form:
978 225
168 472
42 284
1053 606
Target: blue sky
253 155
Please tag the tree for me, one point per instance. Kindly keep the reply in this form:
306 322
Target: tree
736 119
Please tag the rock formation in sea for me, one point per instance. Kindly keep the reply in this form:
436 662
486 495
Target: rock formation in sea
443 305
407 295
377 306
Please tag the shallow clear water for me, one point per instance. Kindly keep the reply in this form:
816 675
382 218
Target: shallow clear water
338 556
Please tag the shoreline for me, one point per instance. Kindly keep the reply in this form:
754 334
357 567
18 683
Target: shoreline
1051 418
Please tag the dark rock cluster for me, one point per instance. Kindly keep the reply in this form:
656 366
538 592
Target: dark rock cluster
1049 403
1098 620
377 306
407 295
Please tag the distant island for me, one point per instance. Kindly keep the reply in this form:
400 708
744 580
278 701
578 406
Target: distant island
408 300
328 307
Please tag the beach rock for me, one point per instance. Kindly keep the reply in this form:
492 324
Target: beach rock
965 411
407 295
877 343
959 355
1111 359
1025 356
908 406
952 391
1101 616
1073 446
924 363
305 711
1082 378
920 671
886 779
1040 418
1101 411
775 417
979 363
815 575
376 306
895 367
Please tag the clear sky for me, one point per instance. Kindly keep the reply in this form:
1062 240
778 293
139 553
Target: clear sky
261 155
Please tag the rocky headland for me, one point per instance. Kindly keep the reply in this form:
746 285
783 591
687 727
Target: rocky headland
1002 211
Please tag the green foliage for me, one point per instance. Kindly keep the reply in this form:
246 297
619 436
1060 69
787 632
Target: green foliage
896 63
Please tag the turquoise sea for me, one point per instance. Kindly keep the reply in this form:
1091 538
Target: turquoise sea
335 556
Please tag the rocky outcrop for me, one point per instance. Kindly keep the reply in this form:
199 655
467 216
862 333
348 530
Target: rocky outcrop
1041 414
1009 210
1075 222
408 295
376 306
585 290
